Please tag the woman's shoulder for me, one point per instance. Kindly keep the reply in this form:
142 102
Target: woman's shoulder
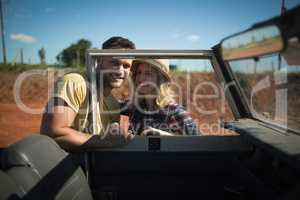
174 109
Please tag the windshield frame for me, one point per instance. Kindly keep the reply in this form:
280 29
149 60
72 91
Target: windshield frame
93 54
269 123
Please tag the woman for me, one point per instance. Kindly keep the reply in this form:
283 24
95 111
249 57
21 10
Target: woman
153 109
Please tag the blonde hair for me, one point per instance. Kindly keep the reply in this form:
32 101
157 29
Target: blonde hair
165 94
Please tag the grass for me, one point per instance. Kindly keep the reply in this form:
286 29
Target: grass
22 67
177 72
18 68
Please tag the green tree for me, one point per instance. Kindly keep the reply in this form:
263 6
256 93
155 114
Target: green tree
173 67
74 55
42 55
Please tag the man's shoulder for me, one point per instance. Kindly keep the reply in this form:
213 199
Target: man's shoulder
72 88
71 83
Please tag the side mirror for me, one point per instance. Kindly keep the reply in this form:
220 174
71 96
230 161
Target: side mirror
252 43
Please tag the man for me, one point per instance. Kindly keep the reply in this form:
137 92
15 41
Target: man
68 115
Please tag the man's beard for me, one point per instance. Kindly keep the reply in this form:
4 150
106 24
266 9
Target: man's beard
113 80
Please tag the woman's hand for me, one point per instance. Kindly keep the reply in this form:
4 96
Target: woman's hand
155 132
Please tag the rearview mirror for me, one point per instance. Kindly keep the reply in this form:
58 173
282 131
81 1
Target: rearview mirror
253 43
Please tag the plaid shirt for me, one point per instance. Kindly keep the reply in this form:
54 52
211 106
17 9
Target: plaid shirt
172 118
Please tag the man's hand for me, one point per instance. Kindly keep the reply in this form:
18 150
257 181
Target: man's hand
57 122
114 137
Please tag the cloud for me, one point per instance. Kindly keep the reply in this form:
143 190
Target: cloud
50 10
22 38
177 34
20 13
22 16
193 38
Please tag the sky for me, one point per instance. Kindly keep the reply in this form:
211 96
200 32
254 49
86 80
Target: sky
155 24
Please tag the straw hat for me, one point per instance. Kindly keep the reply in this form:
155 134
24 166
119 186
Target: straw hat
161 65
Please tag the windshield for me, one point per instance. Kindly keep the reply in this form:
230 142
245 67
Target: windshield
194 86
271 85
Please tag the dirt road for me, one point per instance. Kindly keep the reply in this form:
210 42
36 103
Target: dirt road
16 124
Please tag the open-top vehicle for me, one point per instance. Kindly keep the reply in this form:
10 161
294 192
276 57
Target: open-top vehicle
259 71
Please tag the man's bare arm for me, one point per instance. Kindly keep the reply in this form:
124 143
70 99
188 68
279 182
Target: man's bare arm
56 123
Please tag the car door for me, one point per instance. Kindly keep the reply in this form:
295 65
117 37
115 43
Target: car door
264 90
